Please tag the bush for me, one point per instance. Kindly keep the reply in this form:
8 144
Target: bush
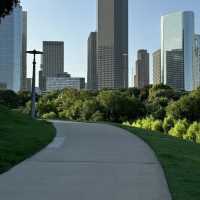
97 117
168 124
157 126
146 123
180 129
193 132
50 115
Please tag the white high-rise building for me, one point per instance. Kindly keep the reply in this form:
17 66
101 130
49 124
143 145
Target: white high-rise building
11 28
177 32
196 62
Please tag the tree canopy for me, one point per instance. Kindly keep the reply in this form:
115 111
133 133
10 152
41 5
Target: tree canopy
6 6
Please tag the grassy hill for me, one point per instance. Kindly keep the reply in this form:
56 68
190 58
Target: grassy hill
21 137
180 160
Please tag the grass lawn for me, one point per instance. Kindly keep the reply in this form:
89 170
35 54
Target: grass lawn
21 137
180 160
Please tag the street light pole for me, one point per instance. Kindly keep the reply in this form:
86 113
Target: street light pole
33 95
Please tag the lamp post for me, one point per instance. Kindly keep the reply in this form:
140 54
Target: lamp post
33 96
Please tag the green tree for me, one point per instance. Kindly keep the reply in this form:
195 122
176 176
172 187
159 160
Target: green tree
23 97
89 107
119 107
9 98
187 107
6 6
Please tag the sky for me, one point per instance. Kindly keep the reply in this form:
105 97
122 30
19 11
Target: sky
72 21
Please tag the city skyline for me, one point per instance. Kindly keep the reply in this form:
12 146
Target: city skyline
78 45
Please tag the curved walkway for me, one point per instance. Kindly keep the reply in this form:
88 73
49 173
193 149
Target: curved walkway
88 162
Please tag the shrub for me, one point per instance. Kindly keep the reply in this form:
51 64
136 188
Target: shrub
180 129
97 117
193 132
146 123
50 115
168 124
157 126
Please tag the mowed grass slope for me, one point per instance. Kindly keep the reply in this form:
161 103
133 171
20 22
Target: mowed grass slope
21 137
180 160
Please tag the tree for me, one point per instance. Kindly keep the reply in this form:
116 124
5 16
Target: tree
88 109
9 98
120 107
7 6
187 107
24 97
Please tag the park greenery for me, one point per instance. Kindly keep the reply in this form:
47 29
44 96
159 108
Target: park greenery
156 108
180 161
21 137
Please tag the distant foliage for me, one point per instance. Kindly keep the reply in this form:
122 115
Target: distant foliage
188 107
6 7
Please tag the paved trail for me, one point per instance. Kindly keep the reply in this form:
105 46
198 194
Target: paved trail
88 162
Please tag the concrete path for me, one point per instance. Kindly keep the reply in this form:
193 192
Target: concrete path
88 162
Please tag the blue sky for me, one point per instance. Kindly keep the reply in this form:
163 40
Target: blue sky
72 21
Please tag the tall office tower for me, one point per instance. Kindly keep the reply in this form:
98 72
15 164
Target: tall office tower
11 50
196 62
177 31
24 80
112 44
142 69
53 58
157 67
91 74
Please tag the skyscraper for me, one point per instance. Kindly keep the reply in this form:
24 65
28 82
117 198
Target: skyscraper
24 80
11 50
142 69
53 58
196 62
91 73
177 31
157 67
175 70
112 44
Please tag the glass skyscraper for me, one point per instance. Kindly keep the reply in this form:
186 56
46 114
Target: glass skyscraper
11 28
196 62
177 32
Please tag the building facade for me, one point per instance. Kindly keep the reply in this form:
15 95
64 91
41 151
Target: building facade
52 58
157 67
11 28
92 63
142 69
112 44
59 83
24 55
175 70
196 62
177 31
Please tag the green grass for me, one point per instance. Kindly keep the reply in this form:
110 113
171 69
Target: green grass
21 137
180 160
